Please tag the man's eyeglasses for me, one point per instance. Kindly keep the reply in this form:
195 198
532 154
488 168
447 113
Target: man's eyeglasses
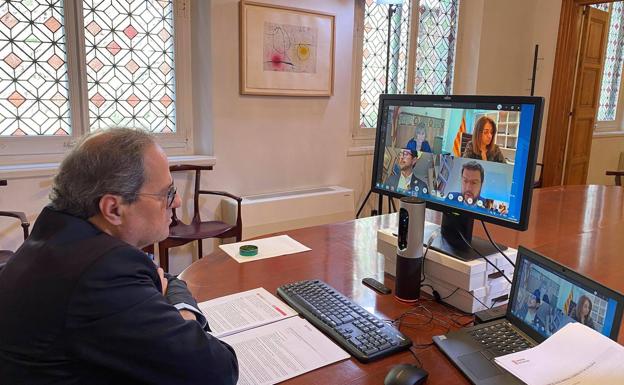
170 195
404 154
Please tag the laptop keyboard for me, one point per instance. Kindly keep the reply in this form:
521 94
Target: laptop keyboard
501 339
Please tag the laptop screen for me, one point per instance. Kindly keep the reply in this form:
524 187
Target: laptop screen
547 296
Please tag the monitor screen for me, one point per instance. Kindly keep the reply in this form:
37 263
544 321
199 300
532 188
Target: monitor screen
462 154
546 300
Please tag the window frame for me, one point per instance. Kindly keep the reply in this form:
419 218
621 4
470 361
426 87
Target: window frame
616 126
43 149
362 136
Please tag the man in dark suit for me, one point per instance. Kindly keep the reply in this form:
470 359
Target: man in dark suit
80 303
405 180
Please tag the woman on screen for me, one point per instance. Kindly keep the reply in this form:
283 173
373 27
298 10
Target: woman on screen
583 311
418 142
482 145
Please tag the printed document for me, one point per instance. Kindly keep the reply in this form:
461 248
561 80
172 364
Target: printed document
276 352
574 355
267 248
241 311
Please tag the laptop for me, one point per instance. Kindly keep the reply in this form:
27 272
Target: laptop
544 297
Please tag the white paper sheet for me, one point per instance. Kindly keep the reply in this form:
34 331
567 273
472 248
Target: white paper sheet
276 352
241 311
574 355
267 248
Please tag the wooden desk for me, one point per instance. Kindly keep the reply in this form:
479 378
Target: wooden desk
580 226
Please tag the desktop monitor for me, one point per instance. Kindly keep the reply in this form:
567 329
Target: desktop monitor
470 157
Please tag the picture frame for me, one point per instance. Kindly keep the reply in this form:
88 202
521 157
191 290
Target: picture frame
285 51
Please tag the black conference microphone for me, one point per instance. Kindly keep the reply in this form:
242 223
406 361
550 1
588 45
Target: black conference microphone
409 249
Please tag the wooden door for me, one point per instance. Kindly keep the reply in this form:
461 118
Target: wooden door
586 100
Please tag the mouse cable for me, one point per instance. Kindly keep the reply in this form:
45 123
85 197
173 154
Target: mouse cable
471 294
483 256
496 246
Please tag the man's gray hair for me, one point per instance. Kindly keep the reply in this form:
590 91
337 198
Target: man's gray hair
104 162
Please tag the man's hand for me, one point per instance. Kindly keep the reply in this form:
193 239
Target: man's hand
163 281
188 315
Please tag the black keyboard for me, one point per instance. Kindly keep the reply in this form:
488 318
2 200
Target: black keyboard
357 331
501 339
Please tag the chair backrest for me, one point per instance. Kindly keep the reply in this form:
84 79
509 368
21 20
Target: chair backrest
6 254
196 188
465 138
16 214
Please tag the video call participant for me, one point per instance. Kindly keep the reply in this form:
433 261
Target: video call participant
472 177
529 309
405 179
482 145
418 142
582 312
81 303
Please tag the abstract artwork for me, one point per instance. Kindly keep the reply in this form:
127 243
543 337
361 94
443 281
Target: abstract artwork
285 51
289 48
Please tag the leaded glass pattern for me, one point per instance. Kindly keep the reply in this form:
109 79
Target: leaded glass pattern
435 50
130 64
33 69
612 72
374 54
601 6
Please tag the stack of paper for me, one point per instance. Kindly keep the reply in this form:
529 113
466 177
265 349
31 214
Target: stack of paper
271 342
575 355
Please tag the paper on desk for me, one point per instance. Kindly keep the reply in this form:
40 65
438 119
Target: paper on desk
282 350
574 355
241 311
267 248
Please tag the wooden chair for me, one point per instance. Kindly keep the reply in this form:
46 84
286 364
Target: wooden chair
537 183
6 254
181 233
618 176
619 173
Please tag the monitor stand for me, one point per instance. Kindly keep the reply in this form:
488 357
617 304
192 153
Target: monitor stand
450 242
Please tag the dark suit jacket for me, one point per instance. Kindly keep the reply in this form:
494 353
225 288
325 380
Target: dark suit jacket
78 306
393 180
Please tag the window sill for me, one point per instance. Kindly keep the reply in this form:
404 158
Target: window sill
34 170
608 134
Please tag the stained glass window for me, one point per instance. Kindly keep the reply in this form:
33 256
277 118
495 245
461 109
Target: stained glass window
130 64
435 51
612 72
374 55
33 69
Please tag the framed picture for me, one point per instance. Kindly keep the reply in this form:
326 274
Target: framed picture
285 51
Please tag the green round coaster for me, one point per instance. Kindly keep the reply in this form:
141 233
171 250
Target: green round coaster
248 250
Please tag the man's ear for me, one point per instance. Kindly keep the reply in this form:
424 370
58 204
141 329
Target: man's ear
111 209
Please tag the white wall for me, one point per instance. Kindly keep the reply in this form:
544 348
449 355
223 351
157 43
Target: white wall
266 144
496 44
605 155
262 144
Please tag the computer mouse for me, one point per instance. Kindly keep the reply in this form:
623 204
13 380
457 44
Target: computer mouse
406 374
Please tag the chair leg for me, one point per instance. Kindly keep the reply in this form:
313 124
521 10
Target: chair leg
163 254
200 252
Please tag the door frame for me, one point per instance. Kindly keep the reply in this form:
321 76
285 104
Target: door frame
562 89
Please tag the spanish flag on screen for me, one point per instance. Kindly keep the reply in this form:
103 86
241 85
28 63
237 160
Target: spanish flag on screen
457 142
